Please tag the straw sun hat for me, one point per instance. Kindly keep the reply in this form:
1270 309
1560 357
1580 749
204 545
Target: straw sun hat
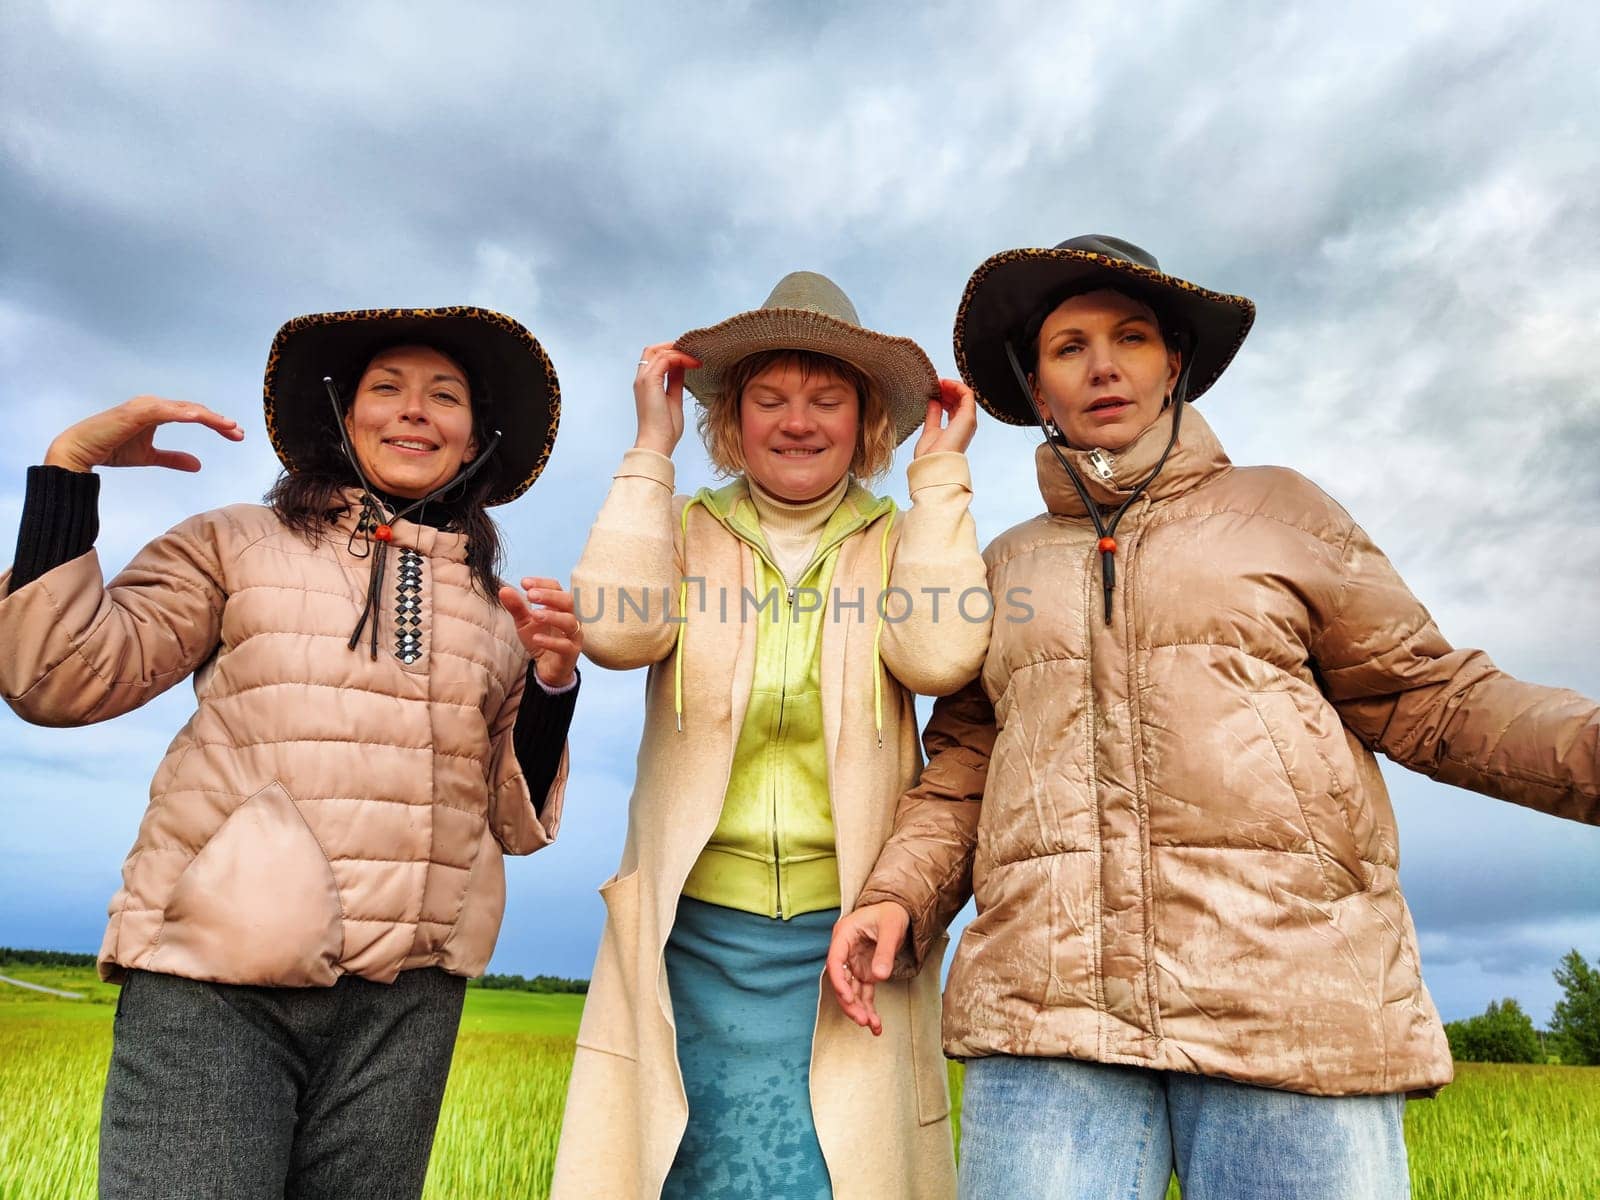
807 311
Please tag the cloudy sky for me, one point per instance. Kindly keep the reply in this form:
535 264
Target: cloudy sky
1411 194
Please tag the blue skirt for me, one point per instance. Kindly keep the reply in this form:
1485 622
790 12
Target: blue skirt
744 995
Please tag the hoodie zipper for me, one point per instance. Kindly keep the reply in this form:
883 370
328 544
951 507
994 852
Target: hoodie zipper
790 593
777 775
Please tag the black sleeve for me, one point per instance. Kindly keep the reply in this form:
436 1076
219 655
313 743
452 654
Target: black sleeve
60 520
540 733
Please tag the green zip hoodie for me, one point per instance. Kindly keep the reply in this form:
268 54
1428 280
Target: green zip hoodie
772 851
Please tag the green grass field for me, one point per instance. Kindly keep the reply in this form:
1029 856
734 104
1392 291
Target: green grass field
1497 1132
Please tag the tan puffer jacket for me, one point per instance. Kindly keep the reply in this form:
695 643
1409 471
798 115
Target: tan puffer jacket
1185 857
321 813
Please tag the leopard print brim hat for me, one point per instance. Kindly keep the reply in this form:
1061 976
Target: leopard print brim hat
512 375
1015 288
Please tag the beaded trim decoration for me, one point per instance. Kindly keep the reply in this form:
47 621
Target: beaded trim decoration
408 607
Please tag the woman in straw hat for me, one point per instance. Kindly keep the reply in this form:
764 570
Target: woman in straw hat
378 720
1191 951
786 619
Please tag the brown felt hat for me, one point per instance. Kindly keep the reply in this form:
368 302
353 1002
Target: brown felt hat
512 376
1012 291
807 311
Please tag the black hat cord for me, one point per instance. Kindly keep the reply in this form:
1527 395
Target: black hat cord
1105 530
383 531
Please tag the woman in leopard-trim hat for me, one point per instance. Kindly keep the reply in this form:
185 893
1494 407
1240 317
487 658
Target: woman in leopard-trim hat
378 721
1191 951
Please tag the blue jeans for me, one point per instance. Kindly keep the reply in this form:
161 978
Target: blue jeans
1069 1130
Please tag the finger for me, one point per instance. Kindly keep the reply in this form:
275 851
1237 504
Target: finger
511 600
555 624
844 987
849 997
658 360
548 592
874 1021
176 460
931 422
186 412
883 956
532 641
675 385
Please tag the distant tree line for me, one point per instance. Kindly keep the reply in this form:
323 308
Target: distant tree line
10 957
1504 1033
544 984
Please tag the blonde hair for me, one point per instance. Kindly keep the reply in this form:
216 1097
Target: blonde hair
718 419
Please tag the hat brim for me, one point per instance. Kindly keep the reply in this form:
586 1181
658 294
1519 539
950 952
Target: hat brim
516 374
1008 289
903 372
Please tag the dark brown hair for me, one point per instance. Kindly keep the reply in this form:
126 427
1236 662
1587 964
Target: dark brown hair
310 498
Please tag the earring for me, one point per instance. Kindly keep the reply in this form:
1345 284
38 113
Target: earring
1167 403
1051 429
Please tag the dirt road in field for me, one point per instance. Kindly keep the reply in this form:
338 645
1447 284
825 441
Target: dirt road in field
39 987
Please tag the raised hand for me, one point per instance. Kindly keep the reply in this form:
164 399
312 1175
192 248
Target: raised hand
861 956
658 396
957 403
546 626
124 436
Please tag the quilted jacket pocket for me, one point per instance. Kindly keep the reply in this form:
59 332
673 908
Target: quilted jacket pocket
257 904
1316 789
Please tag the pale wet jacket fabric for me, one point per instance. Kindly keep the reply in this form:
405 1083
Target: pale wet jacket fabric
1184 856
321 813
881 1105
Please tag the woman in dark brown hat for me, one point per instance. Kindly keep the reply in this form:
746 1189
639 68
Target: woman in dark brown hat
1191 951
378 720
786 619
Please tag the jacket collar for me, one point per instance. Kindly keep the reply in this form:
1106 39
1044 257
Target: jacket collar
732 507
1197 457
450 545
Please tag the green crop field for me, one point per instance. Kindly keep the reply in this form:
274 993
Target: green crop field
1497 1132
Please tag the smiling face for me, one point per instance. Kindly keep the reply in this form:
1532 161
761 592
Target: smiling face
1103 371
798 430
411 420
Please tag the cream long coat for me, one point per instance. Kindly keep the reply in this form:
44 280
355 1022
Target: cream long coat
881 1104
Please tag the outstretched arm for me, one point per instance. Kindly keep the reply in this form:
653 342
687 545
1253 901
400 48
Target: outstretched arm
1451 714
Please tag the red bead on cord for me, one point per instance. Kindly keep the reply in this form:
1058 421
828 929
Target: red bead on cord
383 533
1108 545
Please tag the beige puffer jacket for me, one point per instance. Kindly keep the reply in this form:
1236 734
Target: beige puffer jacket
321 813
1185 857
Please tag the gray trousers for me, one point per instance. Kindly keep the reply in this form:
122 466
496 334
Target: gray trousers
217 1090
